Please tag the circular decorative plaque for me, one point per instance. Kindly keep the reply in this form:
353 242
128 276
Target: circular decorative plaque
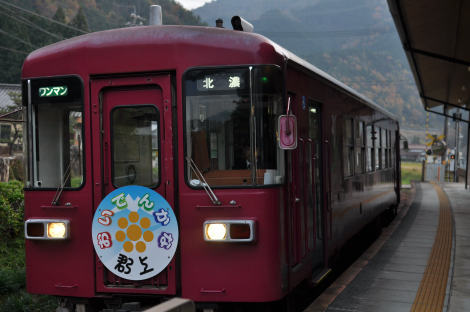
135 232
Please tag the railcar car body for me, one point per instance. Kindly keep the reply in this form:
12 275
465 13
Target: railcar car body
158 107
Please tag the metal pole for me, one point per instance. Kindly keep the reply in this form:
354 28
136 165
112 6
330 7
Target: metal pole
423 170
467 177
446 131
29 137
456 149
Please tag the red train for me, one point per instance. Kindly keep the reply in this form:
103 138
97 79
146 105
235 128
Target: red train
198 162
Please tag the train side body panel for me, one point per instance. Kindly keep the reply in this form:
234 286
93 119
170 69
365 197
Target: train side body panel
358 198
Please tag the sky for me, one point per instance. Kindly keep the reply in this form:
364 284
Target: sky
192 4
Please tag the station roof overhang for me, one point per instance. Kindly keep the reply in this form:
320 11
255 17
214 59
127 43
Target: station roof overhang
436 39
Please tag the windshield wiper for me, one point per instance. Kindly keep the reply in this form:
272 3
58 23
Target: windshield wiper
55 200
205 185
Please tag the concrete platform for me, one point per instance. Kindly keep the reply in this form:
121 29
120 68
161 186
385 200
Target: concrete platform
421 262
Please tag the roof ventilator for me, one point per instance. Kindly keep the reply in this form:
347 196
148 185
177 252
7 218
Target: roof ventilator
219 23
155 15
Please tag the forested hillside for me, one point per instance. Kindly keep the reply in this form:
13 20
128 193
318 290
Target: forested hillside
389 84
27 25
354 41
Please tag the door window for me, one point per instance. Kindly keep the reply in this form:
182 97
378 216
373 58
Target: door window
348 147
315 211
370 148
360 149
135 145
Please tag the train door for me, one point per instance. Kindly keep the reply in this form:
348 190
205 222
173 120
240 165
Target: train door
306 221
132 146
316 192
296 216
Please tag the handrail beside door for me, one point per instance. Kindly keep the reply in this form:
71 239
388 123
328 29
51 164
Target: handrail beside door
313 186
328 192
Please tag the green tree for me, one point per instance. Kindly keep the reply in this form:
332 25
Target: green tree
59 16
415 140
15 45
41 34
11 209
80 20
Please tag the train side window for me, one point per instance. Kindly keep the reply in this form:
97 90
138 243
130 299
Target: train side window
134 143
348 147
360 147
370 148
378 148
384 149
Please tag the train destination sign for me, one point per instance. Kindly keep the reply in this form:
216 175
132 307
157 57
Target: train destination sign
135 232
221 81
53 91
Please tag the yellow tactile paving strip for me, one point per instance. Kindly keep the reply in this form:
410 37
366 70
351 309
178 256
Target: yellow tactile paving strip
432 290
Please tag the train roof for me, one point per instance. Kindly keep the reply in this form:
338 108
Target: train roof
179 42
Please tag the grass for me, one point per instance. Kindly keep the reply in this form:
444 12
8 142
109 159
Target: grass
410 171
13 295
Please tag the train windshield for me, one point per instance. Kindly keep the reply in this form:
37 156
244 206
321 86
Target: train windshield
54 145
231 126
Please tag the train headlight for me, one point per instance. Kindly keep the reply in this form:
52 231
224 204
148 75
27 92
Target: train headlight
216 231
47 229
229 231
56 230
